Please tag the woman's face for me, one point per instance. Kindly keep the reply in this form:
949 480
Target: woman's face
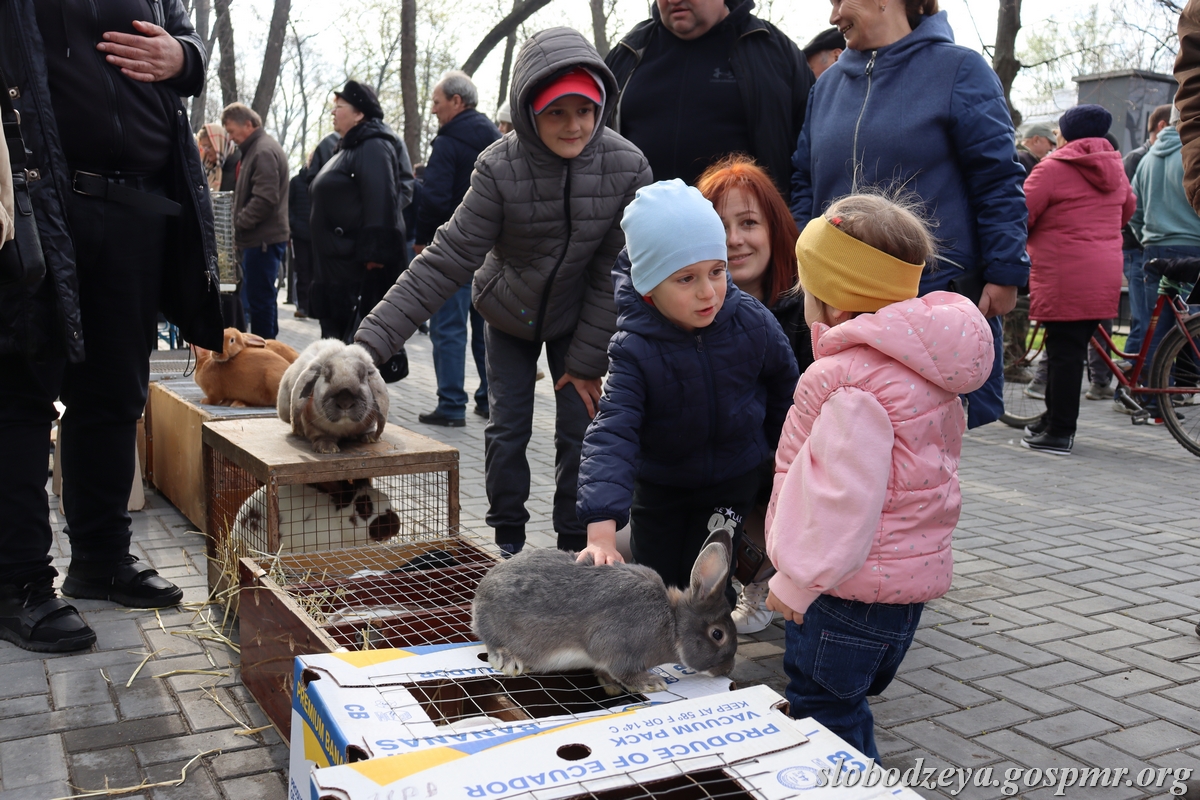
345 116
747 238
207 154
860 21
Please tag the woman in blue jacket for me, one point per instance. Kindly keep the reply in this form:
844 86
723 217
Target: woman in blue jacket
905 108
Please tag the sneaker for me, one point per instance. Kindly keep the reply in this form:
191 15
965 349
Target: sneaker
1046 443
1099 391
1036 390
510 549
130 583
1180 400
751 614
1121 408
33 618
438 418
1036 428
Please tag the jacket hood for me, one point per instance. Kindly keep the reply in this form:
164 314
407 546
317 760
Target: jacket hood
930 30
942 337
1168 143
545 55
1096 161
635 315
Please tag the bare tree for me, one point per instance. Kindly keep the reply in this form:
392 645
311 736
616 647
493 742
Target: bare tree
272 55
408 76
510 45
521 12
203 9
600 14
1004 55
227 69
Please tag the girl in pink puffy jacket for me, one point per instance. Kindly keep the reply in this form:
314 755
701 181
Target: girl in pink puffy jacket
866 493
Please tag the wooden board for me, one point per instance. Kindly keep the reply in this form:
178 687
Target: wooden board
174 442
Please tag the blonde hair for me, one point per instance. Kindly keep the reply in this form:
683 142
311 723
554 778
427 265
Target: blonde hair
892 224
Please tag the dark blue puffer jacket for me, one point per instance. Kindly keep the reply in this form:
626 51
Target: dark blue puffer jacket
448 171
683 409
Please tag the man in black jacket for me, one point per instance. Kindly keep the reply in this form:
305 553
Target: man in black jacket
463 135
702 79
124 218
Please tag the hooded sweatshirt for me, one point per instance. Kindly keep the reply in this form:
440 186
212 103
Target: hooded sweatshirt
866 494
537 233
1078 199
1163 217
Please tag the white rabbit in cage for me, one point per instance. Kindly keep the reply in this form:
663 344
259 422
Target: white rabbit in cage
320 516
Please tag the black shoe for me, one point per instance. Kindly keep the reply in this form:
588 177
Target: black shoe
131 584
33 618
438 418
510 549
1036 428
481 411
1046 443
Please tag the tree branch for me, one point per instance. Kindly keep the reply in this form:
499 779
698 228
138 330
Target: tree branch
499 33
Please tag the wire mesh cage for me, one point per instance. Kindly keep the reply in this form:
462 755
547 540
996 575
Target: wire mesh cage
227 260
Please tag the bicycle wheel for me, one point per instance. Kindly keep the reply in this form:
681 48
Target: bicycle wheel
1175 365
1019 408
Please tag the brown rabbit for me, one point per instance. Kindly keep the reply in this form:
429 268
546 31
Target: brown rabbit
243 374
236 341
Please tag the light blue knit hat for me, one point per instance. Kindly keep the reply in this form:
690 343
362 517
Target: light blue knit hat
668 226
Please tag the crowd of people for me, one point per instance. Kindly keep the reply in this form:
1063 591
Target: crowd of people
768 282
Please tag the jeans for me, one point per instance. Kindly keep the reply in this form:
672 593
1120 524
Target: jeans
448 335
302 267
1166 320
512 371
1140 304
119 255
1066 351
845 652
260 266
1098 372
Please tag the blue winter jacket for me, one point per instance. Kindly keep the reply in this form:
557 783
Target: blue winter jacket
448 171
927 115
683 409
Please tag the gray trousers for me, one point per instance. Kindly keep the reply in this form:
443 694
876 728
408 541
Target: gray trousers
511 373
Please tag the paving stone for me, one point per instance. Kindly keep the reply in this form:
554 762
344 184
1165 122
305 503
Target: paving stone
1085 657
1165 708
989 717
24 706
42 791
894 712
198 785
1174 671
933 637
1008 689
1063 728
123 733
171 749
69 689
1107 707
264 786
1108 640
58 721
32 761
1178 647
95 769
980 667
1151 739
946 744
1025 751
1126 683
27 677
1105 756
1043 633
251 762
1053 675
948 689
1001 643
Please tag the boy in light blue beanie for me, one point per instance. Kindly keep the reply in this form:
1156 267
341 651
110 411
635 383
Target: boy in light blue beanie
700 379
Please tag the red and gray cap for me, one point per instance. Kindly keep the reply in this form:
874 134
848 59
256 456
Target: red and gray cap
580 81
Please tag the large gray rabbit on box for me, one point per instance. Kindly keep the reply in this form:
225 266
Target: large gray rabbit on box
542 611
333 391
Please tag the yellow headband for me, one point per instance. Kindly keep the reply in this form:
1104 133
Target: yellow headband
850 275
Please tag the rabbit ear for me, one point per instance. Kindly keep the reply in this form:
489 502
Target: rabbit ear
710 570
253 341
310 380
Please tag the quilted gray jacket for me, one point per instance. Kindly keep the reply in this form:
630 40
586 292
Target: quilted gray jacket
538 233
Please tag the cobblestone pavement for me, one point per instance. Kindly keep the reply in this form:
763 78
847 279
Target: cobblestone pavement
1067 640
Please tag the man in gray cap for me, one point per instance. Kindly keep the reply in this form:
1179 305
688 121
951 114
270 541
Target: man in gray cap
1035 142
823 51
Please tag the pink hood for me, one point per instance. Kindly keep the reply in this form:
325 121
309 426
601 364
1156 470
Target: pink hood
866 493
1096 161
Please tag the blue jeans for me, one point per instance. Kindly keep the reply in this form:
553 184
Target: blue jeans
1166 320
1140 304
260 268
844 652
448 334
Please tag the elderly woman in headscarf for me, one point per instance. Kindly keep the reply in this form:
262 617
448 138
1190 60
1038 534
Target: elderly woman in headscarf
220 157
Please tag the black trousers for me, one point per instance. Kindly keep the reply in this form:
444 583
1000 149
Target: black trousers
1066 353
668 524
302 272
119 255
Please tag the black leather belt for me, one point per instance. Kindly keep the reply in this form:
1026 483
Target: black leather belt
115 190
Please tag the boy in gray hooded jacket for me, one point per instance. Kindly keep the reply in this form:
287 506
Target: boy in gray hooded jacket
536 235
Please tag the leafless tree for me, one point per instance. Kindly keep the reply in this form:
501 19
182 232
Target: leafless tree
227 69
1004 54
521 12
272 54
408 76
203 11
601 11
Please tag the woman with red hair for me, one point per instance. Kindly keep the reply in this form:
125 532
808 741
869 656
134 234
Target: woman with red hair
760 236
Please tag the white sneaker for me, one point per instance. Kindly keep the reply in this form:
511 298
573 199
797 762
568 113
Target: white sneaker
751 614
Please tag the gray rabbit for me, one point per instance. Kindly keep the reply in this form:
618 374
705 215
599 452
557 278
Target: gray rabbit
541 611
333 391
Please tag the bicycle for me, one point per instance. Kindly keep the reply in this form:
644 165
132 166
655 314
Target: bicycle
1175 372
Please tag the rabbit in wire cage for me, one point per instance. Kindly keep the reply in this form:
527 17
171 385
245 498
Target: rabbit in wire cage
333 391
319 516
542 611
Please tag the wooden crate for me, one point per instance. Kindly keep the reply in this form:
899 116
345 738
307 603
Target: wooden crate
260 482
288 607
174 461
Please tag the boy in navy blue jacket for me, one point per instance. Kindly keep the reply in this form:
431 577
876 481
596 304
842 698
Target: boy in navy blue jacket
700 379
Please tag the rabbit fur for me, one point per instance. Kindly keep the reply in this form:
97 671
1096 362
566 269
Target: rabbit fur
242 374
333 391
320 516
236 341
541 611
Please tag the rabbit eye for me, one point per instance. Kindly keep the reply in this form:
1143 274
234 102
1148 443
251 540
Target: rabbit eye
717 634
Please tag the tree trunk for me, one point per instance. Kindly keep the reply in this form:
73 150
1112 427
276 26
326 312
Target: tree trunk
600 27
227 69
408 78
1004 57
510 44
203 14
272 56
504 28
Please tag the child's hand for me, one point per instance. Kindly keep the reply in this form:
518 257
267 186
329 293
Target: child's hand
602 544
589 391
775 604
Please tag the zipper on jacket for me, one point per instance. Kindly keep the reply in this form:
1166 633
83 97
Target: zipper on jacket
541 317
111 88
857 165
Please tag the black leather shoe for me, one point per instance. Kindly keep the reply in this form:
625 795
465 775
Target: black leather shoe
33 618
482 411
1046 443
437 418
131 583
